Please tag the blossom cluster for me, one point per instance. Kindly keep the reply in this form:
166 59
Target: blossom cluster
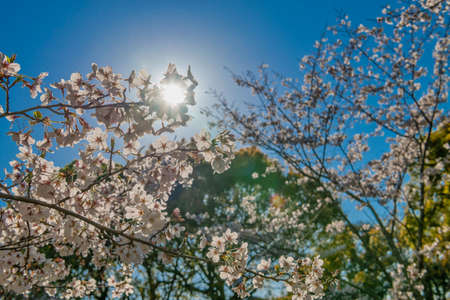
109 202
303 278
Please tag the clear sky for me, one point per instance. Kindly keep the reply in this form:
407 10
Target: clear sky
61 37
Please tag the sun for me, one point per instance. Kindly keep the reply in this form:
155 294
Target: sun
173 93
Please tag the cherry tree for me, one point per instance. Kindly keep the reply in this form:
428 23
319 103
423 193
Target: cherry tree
357 121
108 204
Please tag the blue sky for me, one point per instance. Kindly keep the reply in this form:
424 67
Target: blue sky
61 37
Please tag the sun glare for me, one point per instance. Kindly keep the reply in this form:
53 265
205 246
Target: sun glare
173 94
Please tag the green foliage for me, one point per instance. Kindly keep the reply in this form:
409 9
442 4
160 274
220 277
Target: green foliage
436 206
